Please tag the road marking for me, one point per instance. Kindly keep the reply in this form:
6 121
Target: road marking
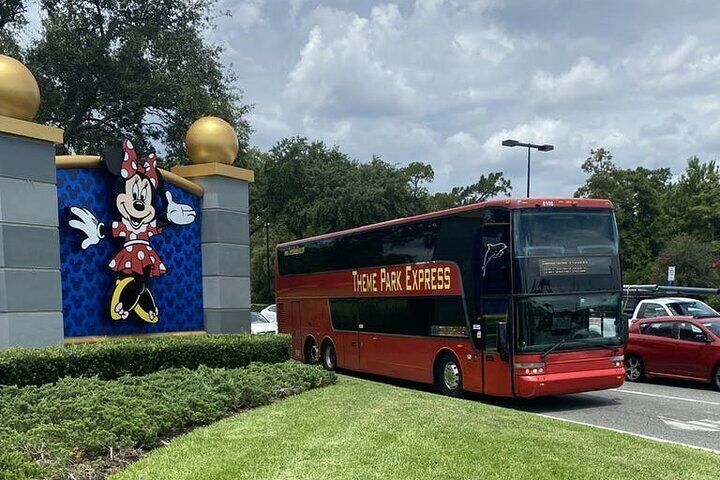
668 397
648 437
693 425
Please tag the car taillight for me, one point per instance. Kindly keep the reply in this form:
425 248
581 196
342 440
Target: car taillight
618 361
530 368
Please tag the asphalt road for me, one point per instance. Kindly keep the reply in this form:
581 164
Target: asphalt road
673 411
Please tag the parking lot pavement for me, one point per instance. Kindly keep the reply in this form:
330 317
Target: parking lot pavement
672 411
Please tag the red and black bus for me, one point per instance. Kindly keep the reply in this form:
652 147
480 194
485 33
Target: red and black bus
507 297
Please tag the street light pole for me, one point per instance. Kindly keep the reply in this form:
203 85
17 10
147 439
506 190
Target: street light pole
540 148
528 179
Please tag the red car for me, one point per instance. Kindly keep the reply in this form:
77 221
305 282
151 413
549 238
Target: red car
675 347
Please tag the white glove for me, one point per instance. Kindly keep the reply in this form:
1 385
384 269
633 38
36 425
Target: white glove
88 224
178 213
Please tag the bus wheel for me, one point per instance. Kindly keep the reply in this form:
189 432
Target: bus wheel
633 368
448 377
312 353
329 357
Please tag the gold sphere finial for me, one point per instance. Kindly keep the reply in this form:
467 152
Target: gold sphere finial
211 139
19 92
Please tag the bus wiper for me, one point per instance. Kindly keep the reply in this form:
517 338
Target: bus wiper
551 349
609 347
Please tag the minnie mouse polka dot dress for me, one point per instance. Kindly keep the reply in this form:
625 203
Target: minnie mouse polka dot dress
137 253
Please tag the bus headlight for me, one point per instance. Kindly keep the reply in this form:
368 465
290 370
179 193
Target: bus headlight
529 368
618 361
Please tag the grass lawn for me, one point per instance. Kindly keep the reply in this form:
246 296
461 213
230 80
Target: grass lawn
361 429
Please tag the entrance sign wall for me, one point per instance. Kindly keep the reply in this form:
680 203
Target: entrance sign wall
54 290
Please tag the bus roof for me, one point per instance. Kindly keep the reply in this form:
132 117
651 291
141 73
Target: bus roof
510 203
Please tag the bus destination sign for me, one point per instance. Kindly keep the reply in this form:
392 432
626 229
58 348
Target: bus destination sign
564 266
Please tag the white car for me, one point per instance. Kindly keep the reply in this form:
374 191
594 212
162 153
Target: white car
261 325
270 312
672 307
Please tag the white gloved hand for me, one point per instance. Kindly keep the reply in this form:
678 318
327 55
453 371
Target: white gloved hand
178 213
88 224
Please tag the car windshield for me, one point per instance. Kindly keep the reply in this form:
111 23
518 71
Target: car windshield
257 318
576 320
714 327
694 309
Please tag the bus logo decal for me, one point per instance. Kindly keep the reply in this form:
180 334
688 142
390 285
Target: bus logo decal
494 250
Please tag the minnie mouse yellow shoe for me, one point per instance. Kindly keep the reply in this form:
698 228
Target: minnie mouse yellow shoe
119 311
146 309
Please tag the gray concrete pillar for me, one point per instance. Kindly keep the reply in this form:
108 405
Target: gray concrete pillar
30 284
225 231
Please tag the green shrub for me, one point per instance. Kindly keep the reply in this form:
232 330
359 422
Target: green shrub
57 430
113 359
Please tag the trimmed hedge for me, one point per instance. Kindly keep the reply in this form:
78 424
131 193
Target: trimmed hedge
85 428
115 358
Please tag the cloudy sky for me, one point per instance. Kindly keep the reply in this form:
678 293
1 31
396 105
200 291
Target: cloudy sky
444 81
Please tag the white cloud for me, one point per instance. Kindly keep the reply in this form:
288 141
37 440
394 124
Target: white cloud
246 13
444 81
584 79
338 73
486 44
689 63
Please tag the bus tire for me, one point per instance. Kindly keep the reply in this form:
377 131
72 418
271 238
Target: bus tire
634 369
312 354
448 376
329 356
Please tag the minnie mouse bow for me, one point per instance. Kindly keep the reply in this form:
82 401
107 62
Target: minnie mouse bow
130 165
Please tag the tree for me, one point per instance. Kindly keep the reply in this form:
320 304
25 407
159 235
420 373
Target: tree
694 201
486 187
12 17
418 175
131 67
311 189
639 196
692 259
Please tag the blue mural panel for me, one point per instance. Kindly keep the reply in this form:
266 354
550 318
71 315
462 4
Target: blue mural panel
87 280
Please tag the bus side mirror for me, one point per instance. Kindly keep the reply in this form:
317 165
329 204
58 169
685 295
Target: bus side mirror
502 341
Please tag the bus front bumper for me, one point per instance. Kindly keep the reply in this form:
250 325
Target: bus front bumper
568 382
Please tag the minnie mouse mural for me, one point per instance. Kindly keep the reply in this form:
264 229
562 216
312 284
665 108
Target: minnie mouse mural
143 208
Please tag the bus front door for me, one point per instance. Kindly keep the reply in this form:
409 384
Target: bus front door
497 371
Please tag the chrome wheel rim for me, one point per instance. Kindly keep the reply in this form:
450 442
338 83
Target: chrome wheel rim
330 358
314 354
632 368
451 376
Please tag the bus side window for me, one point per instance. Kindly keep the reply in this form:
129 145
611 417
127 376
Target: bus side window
493 311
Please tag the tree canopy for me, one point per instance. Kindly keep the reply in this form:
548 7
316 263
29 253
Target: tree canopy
12 18
693 262
651 209
131 67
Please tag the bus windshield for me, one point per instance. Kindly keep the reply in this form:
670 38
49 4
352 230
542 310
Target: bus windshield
575 320
563 233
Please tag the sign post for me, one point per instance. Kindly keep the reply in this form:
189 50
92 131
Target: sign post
671 275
